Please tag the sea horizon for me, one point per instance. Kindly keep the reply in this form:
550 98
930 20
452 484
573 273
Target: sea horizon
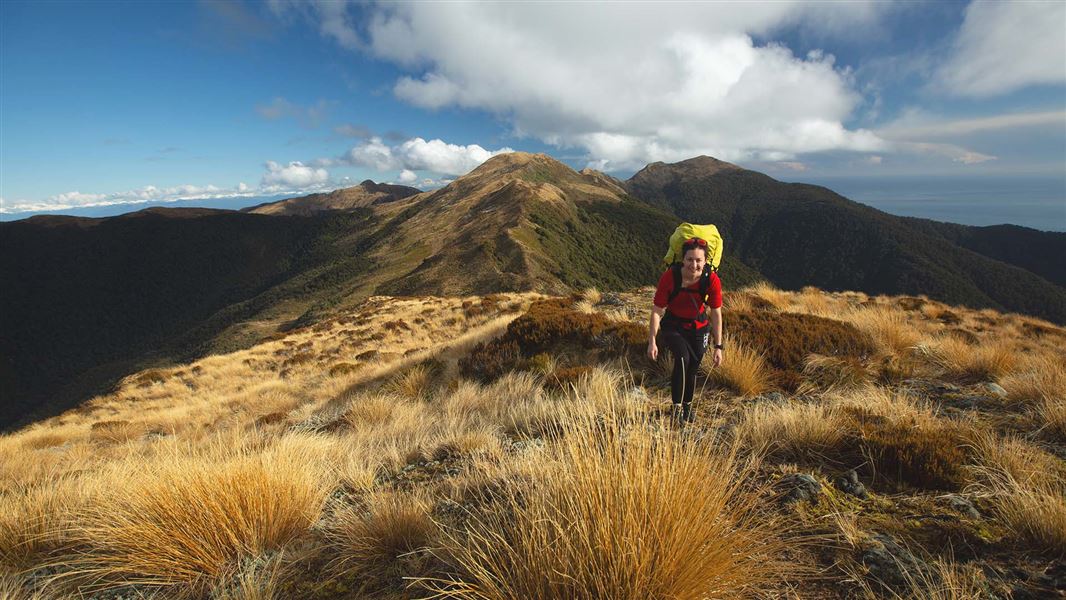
1036 202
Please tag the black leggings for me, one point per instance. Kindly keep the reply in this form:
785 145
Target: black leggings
687 346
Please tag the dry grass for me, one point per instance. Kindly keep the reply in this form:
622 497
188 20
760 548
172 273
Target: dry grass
185 521
1034 511
256 580
680 510
889 327
834 373
371 538
1015 458
592 296
743 370
771 295
794 430
981 362
1041 383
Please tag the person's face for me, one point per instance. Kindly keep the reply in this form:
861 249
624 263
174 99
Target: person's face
694 262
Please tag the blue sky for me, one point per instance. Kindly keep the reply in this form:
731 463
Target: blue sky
115 102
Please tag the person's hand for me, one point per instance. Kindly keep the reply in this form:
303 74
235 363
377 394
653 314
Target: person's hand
717 357
653 350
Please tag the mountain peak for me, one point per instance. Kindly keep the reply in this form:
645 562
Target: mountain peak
514 161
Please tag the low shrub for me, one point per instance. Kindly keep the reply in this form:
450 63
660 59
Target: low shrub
786 339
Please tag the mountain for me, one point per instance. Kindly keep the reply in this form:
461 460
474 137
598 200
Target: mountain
796 234
95 299
365 194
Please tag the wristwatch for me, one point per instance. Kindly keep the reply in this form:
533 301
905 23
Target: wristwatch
719 347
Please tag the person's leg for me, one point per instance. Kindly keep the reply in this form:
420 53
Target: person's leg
696 344
679 349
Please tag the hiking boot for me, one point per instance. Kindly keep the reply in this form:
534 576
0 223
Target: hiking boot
687 414
677 415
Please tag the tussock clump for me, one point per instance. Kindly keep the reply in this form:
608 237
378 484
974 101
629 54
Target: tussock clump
1041 383
833 373
794 431
888 327
981 362
186 521
1034 511
770 295
368 540
681 511
256 580
743 370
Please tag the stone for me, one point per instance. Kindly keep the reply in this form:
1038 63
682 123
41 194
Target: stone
798 487
995 389
892 565
849 484
962 505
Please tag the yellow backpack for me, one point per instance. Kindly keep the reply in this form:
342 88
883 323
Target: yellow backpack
684 232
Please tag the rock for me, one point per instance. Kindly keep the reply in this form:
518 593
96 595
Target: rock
962 505
849 484
995 389
892 565
772 397
798 487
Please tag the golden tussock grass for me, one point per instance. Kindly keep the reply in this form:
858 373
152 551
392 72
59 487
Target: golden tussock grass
794 430
776 298
371 537
34 521
834 373
681 510
739 301
981 362
185 521
591 295
743 370
256 580
1040 382
1013 457
1034 511
889 327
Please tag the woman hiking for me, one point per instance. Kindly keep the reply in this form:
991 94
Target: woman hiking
685 329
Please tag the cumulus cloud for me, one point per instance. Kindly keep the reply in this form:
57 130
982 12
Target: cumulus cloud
418 154
295 175
407 177
309 117
622 91
1005 46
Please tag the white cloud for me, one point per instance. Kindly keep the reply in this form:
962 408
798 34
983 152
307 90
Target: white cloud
148 193
626 92
295 175
407 177
417 154
917 124
1005 46
873 160
76 198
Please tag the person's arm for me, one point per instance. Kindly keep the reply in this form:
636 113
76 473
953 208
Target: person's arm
716 334
653 329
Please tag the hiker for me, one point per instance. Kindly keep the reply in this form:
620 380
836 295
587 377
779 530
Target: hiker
685 329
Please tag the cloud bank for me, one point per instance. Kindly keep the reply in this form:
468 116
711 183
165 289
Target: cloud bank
609 84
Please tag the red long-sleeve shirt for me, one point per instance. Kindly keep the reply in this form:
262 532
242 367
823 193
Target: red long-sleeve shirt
688 305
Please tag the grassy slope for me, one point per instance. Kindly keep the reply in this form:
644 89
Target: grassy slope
410 455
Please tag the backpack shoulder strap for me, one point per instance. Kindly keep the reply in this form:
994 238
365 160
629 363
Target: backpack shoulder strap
675 270
705 282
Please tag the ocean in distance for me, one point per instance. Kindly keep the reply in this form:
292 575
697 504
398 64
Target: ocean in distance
1038 202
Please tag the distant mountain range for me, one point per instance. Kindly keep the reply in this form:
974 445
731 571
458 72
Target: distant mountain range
88 300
